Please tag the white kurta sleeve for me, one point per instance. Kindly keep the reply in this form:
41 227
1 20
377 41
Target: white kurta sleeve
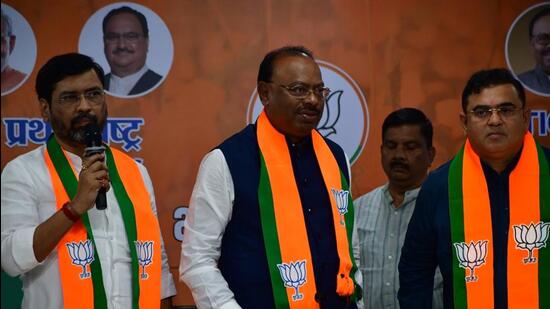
209 212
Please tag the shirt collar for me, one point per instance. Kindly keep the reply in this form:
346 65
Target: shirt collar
410 195
123 85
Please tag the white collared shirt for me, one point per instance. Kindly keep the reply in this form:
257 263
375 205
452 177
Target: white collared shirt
380 230
28 200
123 85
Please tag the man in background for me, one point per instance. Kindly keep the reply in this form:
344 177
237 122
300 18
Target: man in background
126 43
382 215
10 76
538 79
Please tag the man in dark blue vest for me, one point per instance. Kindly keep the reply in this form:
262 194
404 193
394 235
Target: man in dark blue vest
267 227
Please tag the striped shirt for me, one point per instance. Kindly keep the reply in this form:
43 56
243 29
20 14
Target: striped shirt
380 231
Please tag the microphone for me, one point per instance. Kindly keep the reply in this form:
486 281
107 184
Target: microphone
94 145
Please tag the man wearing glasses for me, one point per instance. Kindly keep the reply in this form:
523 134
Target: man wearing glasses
69 253
271 216
126 42
538 79
484 217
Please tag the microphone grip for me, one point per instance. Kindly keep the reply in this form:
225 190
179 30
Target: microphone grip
101 200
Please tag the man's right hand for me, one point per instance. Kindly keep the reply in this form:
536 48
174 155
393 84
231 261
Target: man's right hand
93 176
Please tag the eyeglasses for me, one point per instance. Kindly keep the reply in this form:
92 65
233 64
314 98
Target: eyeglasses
542 39
130 37
485 112
302 91
94 97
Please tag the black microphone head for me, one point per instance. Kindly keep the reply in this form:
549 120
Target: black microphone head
92 135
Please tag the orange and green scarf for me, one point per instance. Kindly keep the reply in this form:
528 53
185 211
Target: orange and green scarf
77 251
283 225
528 258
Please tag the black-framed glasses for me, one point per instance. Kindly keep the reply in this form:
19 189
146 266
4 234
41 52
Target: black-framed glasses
130 37
302 91
542 39
94 97
503 111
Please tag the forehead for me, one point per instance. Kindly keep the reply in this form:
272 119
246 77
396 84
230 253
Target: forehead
542 25
404 133
495 95
78 83
290 68
123 21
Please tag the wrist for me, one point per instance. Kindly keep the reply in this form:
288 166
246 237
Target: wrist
70 212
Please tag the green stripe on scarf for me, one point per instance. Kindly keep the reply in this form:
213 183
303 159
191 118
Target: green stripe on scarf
129 218
70 183
456 212
349 217
544 253
271 239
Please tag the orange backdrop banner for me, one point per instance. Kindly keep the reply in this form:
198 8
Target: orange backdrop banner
376 56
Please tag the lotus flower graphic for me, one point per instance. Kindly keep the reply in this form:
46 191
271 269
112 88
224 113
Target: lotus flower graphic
531 237
331 114
145 256
341 197
471 256
82 254
294 276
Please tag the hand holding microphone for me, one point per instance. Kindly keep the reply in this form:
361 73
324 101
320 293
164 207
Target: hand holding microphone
95 151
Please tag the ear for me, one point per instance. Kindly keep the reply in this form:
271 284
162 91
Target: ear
527 118
431 154
463 121
45 110
12 43
263 92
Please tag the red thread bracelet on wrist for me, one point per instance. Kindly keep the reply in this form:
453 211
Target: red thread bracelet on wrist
70 212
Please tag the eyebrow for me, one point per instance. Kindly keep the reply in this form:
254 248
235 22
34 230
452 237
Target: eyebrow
86 90
489 106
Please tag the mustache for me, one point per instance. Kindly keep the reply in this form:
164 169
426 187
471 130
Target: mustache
122 50
399 163
80 117
310 109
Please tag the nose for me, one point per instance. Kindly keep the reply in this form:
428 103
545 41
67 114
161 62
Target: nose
495 118
399 152
83 103
313 98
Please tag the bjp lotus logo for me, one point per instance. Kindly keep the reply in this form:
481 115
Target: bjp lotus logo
82 254
144 255
471 256
531 237
294 276
341 198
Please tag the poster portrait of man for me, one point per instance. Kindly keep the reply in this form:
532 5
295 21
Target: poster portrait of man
528 48
18 51
136 48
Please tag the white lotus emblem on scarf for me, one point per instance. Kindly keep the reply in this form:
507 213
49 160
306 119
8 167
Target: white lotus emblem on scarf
471 256
531 237
341 197
144 255
294 276
82 254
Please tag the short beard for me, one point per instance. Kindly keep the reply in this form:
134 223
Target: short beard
77 135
